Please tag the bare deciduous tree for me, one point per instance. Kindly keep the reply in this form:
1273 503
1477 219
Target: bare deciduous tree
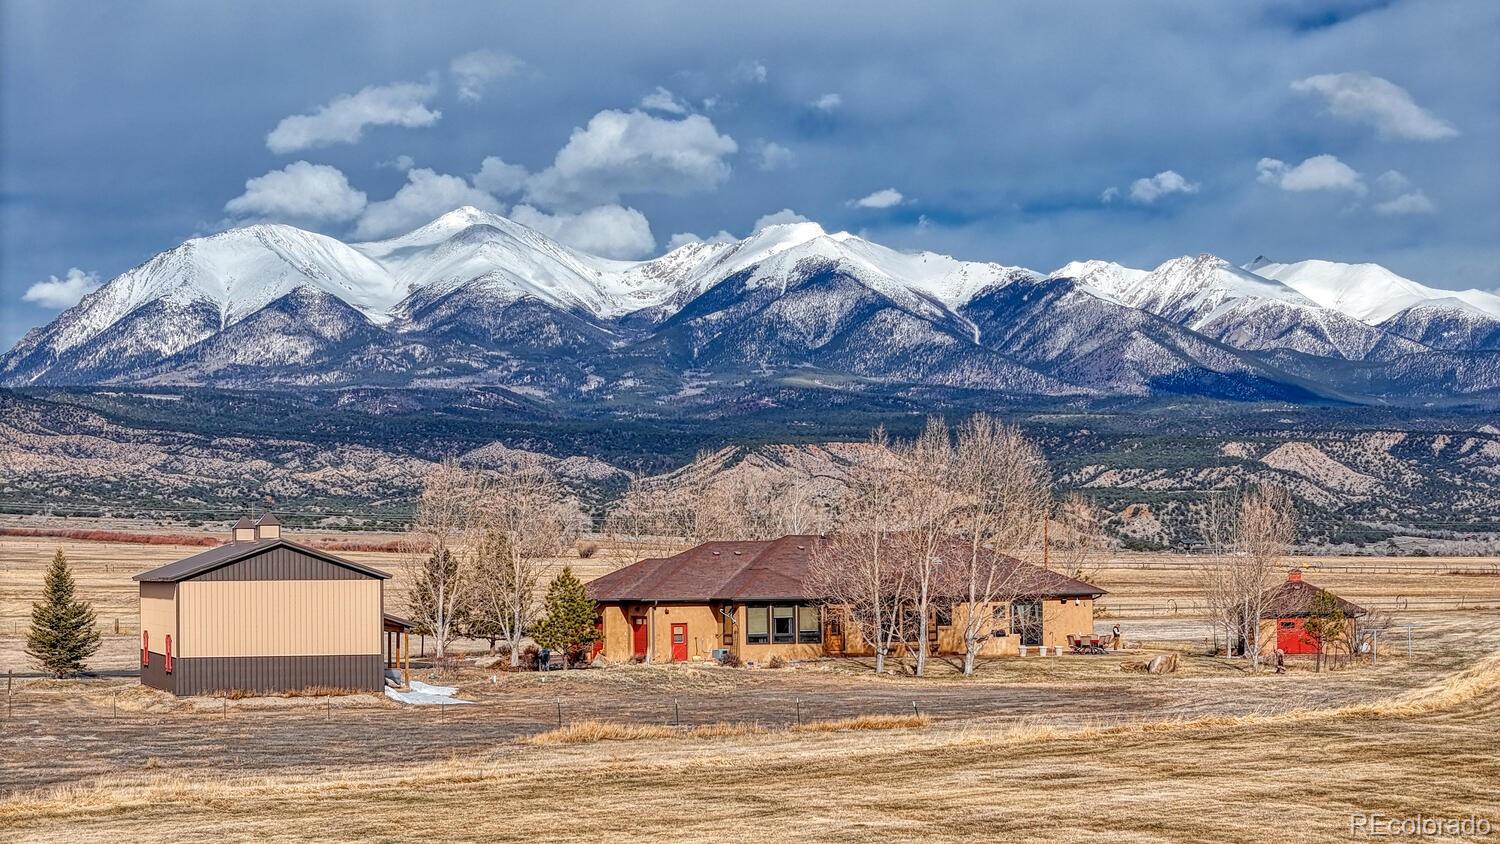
1078 539
525 518
1248 541
438 549
855 572
1002 479
1267 525
928 498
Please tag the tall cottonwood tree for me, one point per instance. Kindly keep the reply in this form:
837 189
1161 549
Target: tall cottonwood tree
439 548
1248 538
856 572
525 518
928 499
1003 483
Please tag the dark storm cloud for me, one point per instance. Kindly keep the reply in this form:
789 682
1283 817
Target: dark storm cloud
125 129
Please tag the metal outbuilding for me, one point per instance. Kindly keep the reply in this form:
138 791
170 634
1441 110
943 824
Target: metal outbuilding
262 614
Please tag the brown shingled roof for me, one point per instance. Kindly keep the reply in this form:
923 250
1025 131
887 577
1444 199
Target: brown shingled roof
1295 598
759 570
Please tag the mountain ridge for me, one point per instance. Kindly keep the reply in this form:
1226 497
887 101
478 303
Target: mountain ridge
474 297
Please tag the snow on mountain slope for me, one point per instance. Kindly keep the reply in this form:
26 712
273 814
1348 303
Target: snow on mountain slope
1190 290
1369 292
1101 277
475 296
182 295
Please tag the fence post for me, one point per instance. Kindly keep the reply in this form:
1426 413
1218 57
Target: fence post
559 713
914 710
1374 648
799 710
676 714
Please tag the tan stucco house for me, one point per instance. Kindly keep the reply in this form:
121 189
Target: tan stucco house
752 598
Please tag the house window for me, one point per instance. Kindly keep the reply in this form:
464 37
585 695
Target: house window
944 615
783 620
809 625
757 625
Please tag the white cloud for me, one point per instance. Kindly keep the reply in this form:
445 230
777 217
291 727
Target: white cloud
474 71
663 100
1392 181
1321 172
779 218
828 102
425 196
299 191
607 230
401 163
770 155
499 178
1415 202
684 238
343 121
622 152
1377 102
1110 194
884 198
59 293
751 72
1147 191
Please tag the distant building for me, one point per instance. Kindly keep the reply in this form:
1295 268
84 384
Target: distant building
262 614
752 598
1287 608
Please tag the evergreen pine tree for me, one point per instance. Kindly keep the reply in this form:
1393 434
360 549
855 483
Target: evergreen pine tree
62 635
569 623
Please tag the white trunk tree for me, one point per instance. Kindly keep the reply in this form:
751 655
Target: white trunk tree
1003 481
439 549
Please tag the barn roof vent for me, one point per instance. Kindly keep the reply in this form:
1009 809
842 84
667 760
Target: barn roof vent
267 527
244 530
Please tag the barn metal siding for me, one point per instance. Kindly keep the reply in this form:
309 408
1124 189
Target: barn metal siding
155 675
280 617
265 674
281 563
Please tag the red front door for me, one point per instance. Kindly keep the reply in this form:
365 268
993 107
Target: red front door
679 643
1292 639
638 636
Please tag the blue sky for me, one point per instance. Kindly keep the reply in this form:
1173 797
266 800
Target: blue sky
1028 134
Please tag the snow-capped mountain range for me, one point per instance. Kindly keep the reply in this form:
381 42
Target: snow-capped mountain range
476 298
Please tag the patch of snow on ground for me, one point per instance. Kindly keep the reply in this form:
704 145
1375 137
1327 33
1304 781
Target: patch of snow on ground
422 694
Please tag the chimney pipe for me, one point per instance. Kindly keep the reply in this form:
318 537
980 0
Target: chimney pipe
1294 576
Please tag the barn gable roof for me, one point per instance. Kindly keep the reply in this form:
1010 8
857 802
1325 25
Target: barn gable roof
234 552
1295 598
762 570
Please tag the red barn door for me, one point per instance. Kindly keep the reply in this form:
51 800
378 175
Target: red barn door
679 643
1291 638
638 636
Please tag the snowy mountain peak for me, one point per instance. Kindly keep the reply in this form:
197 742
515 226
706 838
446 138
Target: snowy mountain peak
1369 292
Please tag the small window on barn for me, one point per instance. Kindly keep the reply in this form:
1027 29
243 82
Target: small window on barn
783 620
757 625
809 625
1288 625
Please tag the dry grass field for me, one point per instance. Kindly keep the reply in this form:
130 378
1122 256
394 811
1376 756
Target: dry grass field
1051 749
